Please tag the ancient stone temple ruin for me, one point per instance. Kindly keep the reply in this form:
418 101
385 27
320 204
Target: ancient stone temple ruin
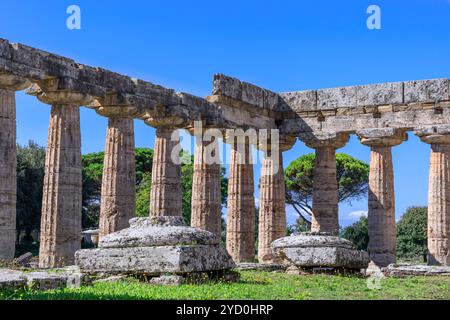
381 115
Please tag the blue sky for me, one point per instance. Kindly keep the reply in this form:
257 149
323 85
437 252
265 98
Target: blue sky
280 45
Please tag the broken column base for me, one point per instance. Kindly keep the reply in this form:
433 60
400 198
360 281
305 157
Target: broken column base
161 250
319 253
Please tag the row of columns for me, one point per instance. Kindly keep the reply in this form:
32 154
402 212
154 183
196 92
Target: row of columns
61 209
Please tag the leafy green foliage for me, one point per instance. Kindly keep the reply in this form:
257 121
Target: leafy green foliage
253 285
30 177
357 233
92 176
92 184
299 226
352 178
412 234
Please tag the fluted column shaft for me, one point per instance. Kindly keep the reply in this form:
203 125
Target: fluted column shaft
61 205
166 196
325 192
206 195
119 176
381 206
272 211
241 205
381 215
439 206
8 175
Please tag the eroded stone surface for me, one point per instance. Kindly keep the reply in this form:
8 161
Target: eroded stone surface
307 251
241 206
119 176
152 247
61 204
398 270
155 260
42 280
152 236
8 175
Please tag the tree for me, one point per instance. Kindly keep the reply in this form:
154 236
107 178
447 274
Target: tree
92 181
299 226
30 178
357 233
412 234
352 177
92 184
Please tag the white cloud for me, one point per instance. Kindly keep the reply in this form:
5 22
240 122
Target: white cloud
357 214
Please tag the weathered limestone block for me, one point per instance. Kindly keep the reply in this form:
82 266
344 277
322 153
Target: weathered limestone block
438 197
272 211
41 280
381 215
405 270
155 260
154 247
247 93
11 280
337 97
380 94
241 205
300 100
119 176
147 232
427 90
325 216
319 250
206 194
8 162
165 195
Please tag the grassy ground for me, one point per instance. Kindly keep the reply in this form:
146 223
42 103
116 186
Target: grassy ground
258 285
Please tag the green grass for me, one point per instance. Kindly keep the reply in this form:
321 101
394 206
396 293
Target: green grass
257 285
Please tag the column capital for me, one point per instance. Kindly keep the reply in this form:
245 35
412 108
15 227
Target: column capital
116 105
434 134
13 83
165 117
49 92
316 140
285 143
383 137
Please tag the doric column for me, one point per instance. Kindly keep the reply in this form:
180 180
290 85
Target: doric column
325 210
438 197
272 209
118 195
381 215
206 196
62 195
119 176
8 162
241 204
166 195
